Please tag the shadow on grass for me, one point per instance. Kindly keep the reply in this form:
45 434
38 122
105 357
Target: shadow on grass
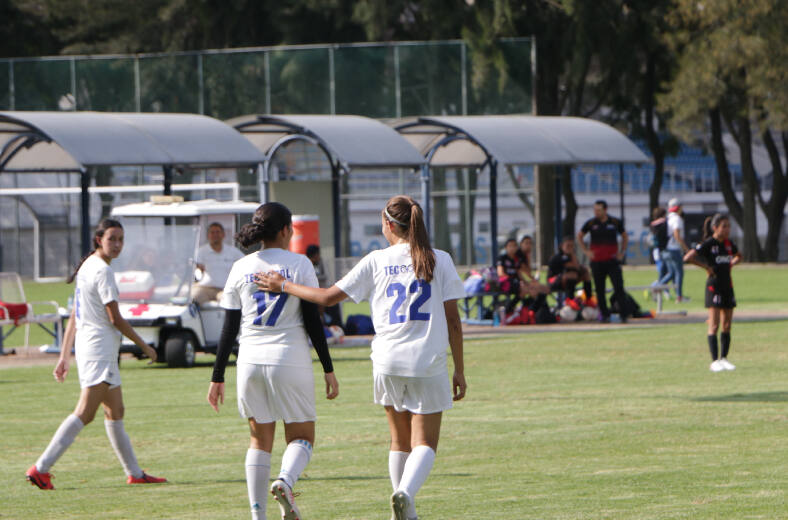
757 397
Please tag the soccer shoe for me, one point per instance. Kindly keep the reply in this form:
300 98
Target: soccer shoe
286 500
716 366
400 502
727 365
42 480
145 479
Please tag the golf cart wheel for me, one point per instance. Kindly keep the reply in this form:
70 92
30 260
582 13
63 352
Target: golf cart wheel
179 350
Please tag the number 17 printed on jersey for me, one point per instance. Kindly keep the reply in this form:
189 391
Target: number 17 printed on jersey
265 299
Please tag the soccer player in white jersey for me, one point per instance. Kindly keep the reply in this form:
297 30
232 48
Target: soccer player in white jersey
274 367
413 290
94 328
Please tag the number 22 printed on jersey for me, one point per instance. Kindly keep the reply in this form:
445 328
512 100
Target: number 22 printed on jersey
264 299
398 291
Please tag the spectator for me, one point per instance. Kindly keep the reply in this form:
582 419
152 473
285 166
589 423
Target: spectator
527 278
673 255
564 270
606 256
659 241
214 259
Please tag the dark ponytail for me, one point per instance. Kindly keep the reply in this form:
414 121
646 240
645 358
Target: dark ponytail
711 223
408 215
103 226
268 220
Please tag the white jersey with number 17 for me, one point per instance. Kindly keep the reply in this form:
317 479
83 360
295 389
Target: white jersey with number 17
411 334
272 327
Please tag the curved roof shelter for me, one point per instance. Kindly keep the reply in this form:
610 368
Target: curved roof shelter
40 142
478 141
348 142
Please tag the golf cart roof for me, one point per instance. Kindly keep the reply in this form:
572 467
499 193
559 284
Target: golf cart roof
184 209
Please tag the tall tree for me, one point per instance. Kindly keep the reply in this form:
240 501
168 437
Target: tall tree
732 76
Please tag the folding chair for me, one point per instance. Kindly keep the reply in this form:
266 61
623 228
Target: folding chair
15 311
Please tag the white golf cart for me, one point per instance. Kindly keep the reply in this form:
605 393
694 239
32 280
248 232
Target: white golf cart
156 270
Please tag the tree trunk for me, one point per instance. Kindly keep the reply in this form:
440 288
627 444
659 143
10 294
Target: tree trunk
724 173
652 139
753 252
570 203
775 208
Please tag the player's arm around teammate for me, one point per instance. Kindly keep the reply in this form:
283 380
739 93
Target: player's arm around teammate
94 327
274 367
413 292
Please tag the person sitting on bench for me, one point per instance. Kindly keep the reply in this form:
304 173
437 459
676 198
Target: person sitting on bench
564 271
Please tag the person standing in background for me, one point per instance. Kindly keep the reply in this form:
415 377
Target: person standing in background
606 257
673 255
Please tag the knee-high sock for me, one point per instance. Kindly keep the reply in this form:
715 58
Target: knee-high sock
122 446
294 460
258 469
587 290
725 343
417 469
397 466
713 346
64 436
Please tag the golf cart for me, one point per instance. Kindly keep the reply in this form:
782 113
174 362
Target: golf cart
156 269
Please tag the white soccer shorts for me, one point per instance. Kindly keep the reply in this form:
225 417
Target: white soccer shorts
269 393
92 373
421 395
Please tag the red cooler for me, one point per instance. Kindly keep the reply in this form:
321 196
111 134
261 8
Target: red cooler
306 232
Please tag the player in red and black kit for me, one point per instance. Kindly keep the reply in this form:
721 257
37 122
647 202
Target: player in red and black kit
717 254
564 271
606 257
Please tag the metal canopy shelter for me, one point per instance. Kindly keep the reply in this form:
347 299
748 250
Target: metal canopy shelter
348 142
493 141
41 142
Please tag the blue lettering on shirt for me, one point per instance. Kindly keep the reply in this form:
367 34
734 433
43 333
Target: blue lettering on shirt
394 270
249 277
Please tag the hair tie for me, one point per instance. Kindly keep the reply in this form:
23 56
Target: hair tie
392 219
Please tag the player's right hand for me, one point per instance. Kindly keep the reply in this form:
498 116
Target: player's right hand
150 352
216 395
61 370
459 385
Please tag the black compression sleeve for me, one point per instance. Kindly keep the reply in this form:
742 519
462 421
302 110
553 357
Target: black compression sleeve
232 323
314 327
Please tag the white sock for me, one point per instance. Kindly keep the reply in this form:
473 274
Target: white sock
417 469
122 445
396 466
258 469
64 436
294 460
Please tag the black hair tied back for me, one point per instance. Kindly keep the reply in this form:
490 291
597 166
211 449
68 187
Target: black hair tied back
268 220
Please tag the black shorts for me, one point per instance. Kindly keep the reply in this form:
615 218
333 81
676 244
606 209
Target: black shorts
720 297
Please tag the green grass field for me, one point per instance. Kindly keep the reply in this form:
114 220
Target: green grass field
616 424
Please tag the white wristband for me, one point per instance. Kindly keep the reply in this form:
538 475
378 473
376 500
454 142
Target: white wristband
282 289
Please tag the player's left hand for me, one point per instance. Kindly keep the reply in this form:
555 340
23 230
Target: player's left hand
270 281
332 385
459 385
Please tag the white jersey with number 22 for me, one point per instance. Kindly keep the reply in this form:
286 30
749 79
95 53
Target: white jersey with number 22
411 334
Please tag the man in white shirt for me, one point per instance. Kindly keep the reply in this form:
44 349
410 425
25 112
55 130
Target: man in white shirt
214 259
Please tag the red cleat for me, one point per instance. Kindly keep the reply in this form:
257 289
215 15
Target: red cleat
145 479
42 480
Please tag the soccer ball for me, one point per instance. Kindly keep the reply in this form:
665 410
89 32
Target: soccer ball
590 313
567 313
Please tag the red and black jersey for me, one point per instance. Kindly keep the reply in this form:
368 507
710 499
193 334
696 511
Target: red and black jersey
510 265
718 255
604 237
